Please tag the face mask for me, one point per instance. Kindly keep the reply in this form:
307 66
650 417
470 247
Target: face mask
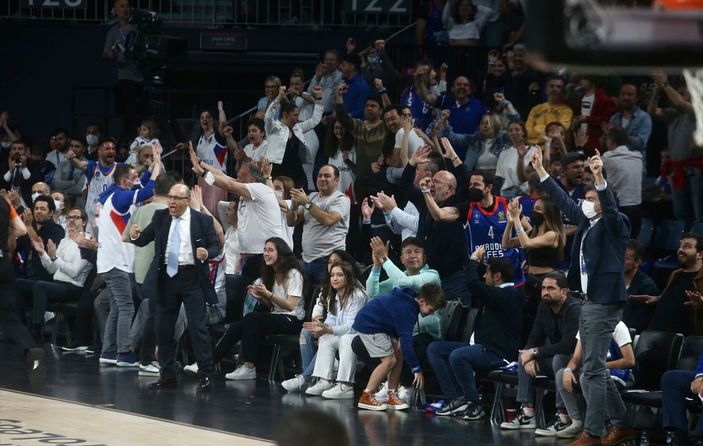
136 184
58 204
279 194
91 139
588 209
536 218
475 194
34 196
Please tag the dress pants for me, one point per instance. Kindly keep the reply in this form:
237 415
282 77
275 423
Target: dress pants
11 325
184 288
327 348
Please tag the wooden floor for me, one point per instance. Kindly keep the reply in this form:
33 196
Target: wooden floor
77 399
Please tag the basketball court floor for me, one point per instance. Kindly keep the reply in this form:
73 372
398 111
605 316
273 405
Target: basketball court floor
77 401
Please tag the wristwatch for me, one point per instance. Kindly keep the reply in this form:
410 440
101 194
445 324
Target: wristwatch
307 205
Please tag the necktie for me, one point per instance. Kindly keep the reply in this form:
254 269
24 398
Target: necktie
174 248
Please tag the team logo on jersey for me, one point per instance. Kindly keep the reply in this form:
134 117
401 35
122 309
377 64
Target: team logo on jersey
501 216
476 217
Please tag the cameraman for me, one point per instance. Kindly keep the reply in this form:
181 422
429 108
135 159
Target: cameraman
19 176
130 82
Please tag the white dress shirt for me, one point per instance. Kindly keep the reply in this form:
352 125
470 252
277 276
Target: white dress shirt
185 253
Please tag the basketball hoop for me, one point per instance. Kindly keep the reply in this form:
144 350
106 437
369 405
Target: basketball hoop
694 82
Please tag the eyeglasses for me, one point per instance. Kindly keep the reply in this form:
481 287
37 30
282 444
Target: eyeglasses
176 197
74 217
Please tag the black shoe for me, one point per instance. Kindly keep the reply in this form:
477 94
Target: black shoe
34 356
164 383
455 406
204 385
473 411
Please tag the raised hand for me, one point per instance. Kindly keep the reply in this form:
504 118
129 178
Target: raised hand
580 137
425 184
51 248
479 253
281 92
194 160
196 198
536 161
266 167
38 246
367 209
515 208
386 201
342 90
596 164
350 45
317 92
379 249
449 152
421 156
298 196
378 84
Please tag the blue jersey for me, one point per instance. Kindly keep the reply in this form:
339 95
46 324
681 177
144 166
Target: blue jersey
485 228
422 111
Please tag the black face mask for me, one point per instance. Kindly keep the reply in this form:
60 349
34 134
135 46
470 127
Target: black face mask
475 194
536 218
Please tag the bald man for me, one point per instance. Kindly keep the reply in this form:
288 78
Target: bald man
184 241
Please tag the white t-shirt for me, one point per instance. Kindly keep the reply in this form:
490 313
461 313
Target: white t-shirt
587 107
232 250
258 153
259 218
507 169
346 176
287 230
212 150
621 335
291 286
393 174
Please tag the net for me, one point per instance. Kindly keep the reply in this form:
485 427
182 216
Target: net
694 82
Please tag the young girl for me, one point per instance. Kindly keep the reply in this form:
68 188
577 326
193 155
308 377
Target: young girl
148 132
307 340
335 335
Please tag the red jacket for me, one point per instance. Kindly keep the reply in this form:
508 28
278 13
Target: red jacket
603 108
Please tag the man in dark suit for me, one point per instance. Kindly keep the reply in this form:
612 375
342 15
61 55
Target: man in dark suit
184 240
597 270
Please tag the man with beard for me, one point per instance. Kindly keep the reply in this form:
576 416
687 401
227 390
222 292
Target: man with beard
484 218
20 176
554 110
634 120
672 314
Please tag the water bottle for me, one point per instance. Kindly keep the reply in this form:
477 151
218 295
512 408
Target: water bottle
644 439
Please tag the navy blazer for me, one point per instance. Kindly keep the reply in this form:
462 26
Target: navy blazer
202 235
603 247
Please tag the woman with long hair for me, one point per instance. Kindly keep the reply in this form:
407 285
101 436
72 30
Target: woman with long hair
335 335
339 149
280 308
465 21
511 161
484 146
319 312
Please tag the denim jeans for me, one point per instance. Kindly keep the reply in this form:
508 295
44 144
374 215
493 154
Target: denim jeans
316 270
547 367
456 288
119 319
596 328
307 353
454 364
676 387
688 201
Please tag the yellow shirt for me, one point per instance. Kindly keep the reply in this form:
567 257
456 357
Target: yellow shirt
544 114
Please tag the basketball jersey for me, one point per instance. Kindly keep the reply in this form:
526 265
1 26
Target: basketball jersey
212 151
112 251
99 179
484 228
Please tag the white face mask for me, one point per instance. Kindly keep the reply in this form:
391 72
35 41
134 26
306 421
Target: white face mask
91 139
34 196
589 209
279 194
58 204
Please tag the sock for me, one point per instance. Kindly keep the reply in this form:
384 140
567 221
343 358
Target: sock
528 411
564 418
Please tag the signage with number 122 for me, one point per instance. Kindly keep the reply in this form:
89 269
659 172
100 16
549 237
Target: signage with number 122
377 6
55 4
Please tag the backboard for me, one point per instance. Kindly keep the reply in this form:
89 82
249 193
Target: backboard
627 36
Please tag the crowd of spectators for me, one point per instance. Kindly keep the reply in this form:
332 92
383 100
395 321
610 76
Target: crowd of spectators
337 172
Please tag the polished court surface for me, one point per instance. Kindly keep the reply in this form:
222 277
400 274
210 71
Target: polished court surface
77 401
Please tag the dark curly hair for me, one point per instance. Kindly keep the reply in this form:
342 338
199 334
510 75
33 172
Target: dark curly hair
284 264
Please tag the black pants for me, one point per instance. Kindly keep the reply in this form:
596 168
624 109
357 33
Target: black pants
251 330
45 293
184 288
10 323
236 287
634 214
148 341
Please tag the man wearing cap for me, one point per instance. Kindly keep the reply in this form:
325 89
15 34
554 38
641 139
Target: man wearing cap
357 88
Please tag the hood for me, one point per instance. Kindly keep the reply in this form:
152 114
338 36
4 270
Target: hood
107 192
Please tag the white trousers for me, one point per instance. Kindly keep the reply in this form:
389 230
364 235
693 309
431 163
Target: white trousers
327 348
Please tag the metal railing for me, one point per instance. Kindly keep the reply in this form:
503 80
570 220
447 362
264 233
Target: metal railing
290 13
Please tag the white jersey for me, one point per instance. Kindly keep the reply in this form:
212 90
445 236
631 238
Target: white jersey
213 151
99 179
112 251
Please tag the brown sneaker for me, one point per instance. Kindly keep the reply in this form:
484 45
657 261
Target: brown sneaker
369 402
585 440
395 403
617 435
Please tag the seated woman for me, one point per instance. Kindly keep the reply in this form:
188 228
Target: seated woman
308 343
280 309
335 335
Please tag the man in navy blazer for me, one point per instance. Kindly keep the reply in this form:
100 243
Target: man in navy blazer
597 270
677 385
184 241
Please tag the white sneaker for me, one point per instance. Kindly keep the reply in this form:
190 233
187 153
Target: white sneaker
319 387
554 427
521 421
572 430
405 393
294 384
191 369
382 394
339 392
151 369
242 373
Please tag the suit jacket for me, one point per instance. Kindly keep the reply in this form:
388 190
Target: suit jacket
603 247
202 235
